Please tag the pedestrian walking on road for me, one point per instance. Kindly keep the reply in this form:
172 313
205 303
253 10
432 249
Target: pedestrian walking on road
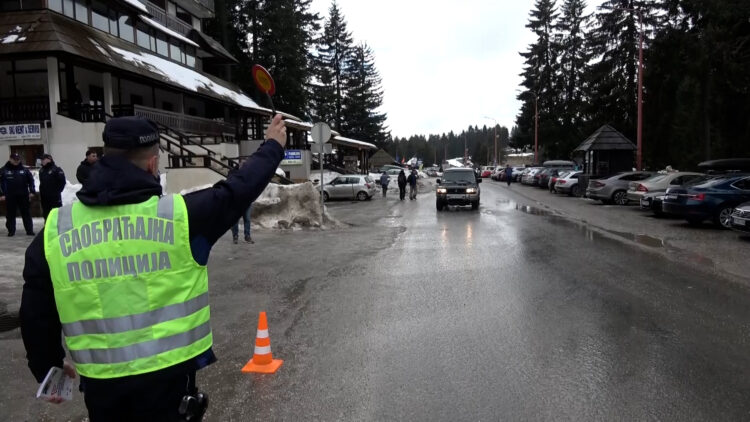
51 184
402 185
412 180
384 181
508 173
121 273
84 169
17 185
245 227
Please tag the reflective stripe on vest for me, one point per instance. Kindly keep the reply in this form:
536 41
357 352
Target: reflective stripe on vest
130 296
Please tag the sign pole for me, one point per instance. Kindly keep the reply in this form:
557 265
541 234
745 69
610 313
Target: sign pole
321 133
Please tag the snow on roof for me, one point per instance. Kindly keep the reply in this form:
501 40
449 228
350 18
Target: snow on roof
13 36
354 141
185 77
168 31
455 163
138 5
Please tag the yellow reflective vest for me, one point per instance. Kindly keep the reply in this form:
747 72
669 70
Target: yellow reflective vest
130 296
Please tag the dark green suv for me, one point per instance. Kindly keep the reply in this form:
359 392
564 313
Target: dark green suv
459 186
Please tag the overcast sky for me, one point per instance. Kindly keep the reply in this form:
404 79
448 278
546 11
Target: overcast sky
445 64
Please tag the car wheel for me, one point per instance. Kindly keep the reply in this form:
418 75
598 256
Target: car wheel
620 197
362 196
723 217
325 197
658 213
475 205
575 191
439 205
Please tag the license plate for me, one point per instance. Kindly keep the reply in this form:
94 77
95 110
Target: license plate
738 221
646 201
456 196
672 196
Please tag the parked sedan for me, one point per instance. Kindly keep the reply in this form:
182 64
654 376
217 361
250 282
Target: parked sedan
487 171
614 189
659 183
568 184
714 200
529 177
350 186
517 172
741 218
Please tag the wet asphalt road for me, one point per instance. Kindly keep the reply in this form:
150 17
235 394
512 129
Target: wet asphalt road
506 313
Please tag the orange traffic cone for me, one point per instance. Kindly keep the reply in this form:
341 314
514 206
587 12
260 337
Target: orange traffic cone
262 361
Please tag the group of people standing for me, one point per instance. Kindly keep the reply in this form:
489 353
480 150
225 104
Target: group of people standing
403 180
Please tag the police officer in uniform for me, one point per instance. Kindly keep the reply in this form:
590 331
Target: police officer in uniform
109 268
17 190
51 185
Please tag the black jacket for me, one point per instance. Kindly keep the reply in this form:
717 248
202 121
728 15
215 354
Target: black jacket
51 183
412 179
114 181
16 180
84 171
401 179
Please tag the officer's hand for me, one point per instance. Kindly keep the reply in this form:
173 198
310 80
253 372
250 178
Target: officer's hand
277 130
70 371
31 196
2 198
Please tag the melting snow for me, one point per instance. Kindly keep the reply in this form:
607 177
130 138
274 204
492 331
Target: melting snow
168 31
140 6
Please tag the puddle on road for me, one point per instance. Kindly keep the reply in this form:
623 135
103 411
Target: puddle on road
641 239
528 209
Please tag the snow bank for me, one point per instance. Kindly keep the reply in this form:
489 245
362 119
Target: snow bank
290 206
327 176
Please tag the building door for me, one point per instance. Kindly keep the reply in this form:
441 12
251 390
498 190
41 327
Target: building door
29 153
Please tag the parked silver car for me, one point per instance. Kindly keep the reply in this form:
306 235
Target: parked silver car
350 186
659 183
614 189
568 183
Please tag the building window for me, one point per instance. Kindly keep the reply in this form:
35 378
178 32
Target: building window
126 28
82 12
190 56
113 23
99 16
56 5
68 8
174 51
142 36
162 47
184 15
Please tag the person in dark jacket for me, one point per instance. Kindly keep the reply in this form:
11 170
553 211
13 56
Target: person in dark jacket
412 180
128 175
17 186
402 185
84 169
508 173
51 185
384 181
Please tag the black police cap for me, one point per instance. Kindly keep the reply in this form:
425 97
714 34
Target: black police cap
130 132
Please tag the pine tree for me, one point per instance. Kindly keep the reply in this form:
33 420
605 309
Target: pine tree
333 50
364 96
540 68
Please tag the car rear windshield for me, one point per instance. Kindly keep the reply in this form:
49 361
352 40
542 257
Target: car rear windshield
459 176
368 179
656 178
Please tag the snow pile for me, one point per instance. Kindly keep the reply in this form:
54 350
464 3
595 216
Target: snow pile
290 206
13 36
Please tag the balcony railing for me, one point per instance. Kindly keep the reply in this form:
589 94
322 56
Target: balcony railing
171 22
82 112
182 122
21 110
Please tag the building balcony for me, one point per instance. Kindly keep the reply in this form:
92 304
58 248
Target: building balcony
85 113
24 110
184 123
171 22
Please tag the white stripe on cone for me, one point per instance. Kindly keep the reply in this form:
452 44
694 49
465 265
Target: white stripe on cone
262 334
262 350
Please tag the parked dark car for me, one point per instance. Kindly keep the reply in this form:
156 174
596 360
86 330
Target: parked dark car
652 201
614 189
714 199
741 218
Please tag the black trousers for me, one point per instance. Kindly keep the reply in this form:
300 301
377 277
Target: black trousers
22 204
402 192
48 204
148 397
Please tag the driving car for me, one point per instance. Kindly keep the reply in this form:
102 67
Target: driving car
741 218
458 186
350 186
659 183
568 183
713 199
614 189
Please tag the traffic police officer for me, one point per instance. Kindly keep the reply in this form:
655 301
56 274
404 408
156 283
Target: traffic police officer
123 273
51 184
17 190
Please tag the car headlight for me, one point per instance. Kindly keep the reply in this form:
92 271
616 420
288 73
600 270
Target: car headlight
471 190
442 190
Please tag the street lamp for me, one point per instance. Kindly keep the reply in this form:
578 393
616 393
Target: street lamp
490 118
639 133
